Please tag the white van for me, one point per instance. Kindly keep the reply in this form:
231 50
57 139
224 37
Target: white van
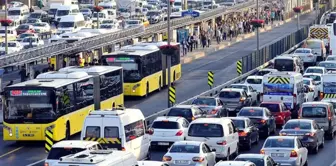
18 14
66 10
286 87
52 11
219 133
329 85
71 23
124 127
104 15
99 158
108 4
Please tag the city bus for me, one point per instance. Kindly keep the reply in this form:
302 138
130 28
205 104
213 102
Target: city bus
56 100
144 67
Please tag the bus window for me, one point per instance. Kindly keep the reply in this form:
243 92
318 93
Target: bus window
111 84
66 100
84 93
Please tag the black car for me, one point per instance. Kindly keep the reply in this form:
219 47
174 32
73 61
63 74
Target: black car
234 99
212 105
248 132
41 15
190 112
261 117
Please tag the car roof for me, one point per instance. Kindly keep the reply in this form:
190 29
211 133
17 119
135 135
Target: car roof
183 106
233 163
169 118
74 144
328 62
210 120
268 69
328 100
303 49
331 56
316 74
315 103
315 67
196 143
255 77
238 118
232 90
254 155
300 120
281 137
254 108
205 97
284 57
271 102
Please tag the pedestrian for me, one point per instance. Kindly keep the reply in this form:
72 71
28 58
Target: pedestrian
203 39
218 36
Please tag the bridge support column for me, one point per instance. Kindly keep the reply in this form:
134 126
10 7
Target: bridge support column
100 53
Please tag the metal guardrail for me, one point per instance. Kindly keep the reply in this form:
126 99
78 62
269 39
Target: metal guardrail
52 49
215 91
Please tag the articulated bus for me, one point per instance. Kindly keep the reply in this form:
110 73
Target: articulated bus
56 100
144 67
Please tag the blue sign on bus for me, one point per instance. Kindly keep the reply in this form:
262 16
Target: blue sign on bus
191 13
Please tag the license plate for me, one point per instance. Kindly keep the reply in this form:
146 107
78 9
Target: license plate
181 162
163 143
277 155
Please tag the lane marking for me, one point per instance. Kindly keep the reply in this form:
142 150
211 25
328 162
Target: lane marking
37 162
333 164
10 152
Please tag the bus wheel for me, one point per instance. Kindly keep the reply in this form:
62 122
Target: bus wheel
67 131
160 84
147 89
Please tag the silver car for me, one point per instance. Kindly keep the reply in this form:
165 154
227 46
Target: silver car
190 153
257 159
249 91
212 105
286 150
307 55
308 131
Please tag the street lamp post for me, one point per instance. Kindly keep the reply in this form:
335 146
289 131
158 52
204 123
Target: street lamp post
258 29
298 16
6 30
168 43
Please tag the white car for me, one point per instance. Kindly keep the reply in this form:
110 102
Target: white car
42 27
312 87
249 91
190 153
32 21
318 79
330 100
31 41
235 163
257 159
13 46
331 58
64 148
167 130
24 35
152 163
307 55
316 69
286 150
308 96
132 23
256 82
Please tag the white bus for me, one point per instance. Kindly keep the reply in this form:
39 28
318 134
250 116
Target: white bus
71 23
332 42
329 85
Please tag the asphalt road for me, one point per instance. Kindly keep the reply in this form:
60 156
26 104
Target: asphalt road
193 82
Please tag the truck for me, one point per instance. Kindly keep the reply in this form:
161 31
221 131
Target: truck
321 32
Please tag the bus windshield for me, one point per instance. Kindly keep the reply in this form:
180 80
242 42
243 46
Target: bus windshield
130 67
31 105
278 89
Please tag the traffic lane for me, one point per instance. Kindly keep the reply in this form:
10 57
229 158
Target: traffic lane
7 147
222 63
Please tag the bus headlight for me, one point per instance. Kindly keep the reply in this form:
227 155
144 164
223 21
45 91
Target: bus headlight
134 87
51 127
9 130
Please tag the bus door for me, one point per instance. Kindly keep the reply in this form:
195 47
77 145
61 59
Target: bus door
164 70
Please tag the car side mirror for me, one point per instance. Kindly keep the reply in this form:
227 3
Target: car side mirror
213 150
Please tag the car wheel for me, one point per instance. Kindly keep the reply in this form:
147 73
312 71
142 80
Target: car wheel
315 150
322 143
257 140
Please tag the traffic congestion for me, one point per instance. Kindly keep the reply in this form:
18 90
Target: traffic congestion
282 115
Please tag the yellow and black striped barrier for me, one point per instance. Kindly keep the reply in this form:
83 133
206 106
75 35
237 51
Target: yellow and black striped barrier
172 95
278 80
210 79
328 96
319 33
239 67
49 141
104 140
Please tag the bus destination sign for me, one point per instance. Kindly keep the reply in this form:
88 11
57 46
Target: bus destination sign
120 59
28 93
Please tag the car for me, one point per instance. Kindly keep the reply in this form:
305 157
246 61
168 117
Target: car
190 112
279 110
247 131
30 42
41 15
234 99
33 21
235 163
108 26
286 150
308 131
265 71
219 133
190 153
329 65
330 100
312 87
256 82
331 58
13 46
152 163
212 105
316 69
261 117
68 147
24 35
298 60
288 63
132 23
3 52
324 115
308 94
86 12
257 159
25 28
164 131
317 78
307 55
249 91
154 16
42 27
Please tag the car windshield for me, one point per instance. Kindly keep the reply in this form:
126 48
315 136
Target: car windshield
107 22
133 22
298 125
9 44
256 161
254 81
284 64
25 35
165 125
14 12
101 15
32 21
39 25
57 153
327 65
183 112
279 143
306 82
331 58
239 87
184 149
314 70
107 26
152 14
271 107
62 12
205 101
52 11
229 95
239 123
302 51
66 24
314 112
85 10
35 15
205 130
29 39
251 112
263 72
23 27
314 77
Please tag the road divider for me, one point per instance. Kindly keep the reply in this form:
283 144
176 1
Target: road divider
172 95
211 79
239 67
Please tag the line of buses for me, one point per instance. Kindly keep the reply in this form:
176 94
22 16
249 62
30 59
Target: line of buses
61 100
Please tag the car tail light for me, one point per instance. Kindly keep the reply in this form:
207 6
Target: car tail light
310 134
282 134
293 153
263 121
242 99
321 95
150 131
214 111
193 118
46 164
221 143
123 149
179 133
262 151
166 158
330 52
329 114
242 134
198 159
